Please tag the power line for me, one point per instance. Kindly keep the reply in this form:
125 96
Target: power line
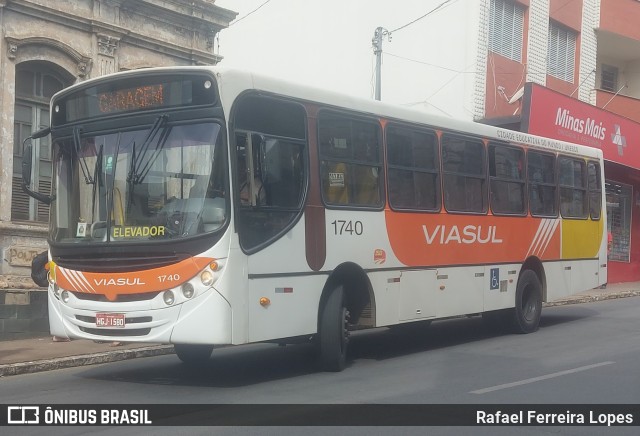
255 10
425 15
428 64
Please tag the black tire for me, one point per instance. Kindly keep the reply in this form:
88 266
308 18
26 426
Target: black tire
526 314
193 354
333 332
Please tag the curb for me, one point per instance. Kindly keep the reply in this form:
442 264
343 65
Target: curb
592 298
83 359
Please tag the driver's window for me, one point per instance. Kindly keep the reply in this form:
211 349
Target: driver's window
270 168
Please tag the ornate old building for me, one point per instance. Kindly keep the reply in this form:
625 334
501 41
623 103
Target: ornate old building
47 45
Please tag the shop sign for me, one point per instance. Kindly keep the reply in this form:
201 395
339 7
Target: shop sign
553 115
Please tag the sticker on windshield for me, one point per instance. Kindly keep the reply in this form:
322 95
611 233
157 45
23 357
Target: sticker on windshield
138 231
81 231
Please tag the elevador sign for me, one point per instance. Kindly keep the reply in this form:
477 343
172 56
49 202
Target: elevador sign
553 115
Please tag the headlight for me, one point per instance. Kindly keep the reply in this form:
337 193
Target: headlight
169 298
187 290
207 277
65 296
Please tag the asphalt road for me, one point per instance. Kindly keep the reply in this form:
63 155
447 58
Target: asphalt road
584 353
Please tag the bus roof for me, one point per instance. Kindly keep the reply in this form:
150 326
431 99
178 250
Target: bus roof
235 82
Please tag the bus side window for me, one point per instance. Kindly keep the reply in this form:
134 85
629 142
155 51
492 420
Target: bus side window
595 190
351 161
506 173
414 181
541 172
464 169
573 188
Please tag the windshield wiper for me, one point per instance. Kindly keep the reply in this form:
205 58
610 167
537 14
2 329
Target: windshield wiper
137 171
97 177
82 161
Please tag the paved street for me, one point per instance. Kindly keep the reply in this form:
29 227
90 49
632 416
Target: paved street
583 353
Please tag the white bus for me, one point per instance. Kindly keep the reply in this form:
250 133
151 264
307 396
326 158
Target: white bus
200 206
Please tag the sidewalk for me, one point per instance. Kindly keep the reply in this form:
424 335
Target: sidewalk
42 354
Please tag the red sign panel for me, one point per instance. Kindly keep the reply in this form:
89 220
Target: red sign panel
557 116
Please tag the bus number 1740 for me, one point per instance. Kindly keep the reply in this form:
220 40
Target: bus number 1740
344 227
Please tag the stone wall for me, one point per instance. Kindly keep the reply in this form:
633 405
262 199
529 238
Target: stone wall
82 39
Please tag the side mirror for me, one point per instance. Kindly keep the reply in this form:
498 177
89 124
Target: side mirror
27 168
26 165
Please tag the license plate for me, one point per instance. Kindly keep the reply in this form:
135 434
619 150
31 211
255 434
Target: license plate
110 320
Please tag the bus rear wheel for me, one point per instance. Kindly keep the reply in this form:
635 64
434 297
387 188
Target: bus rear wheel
193 354
526 314
333 332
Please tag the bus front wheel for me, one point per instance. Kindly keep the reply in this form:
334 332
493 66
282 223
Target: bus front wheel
526 314
193 354
333 332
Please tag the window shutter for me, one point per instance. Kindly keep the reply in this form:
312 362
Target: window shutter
561 54
19 201
506 29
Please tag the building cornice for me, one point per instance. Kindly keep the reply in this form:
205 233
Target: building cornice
14 44
203 17
20 229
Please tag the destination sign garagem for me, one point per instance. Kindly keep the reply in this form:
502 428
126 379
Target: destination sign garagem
131 94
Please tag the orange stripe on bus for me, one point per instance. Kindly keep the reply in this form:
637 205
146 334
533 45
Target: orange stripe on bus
134 282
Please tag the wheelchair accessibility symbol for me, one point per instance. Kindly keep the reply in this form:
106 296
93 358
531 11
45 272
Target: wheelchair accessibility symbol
495 278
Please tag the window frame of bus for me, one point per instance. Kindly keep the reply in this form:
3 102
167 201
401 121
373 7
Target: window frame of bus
562 186
554 184
87 96
597 190
522 181
485 189
238 125
349 161
409 130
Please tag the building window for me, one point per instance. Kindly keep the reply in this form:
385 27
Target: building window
609 78
619 219
35 85
561 55
505 29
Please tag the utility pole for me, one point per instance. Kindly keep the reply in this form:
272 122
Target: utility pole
377 50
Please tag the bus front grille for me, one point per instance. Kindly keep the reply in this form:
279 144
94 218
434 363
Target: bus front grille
115 332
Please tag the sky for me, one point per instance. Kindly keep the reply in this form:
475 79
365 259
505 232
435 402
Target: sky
426 65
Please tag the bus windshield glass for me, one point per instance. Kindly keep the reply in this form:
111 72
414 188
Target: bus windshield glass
157 183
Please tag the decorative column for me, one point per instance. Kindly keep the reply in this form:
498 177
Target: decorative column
107 50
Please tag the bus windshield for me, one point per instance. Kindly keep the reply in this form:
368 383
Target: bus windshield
161 182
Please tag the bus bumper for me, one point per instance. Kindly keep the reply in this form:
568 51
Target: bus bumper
206 319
